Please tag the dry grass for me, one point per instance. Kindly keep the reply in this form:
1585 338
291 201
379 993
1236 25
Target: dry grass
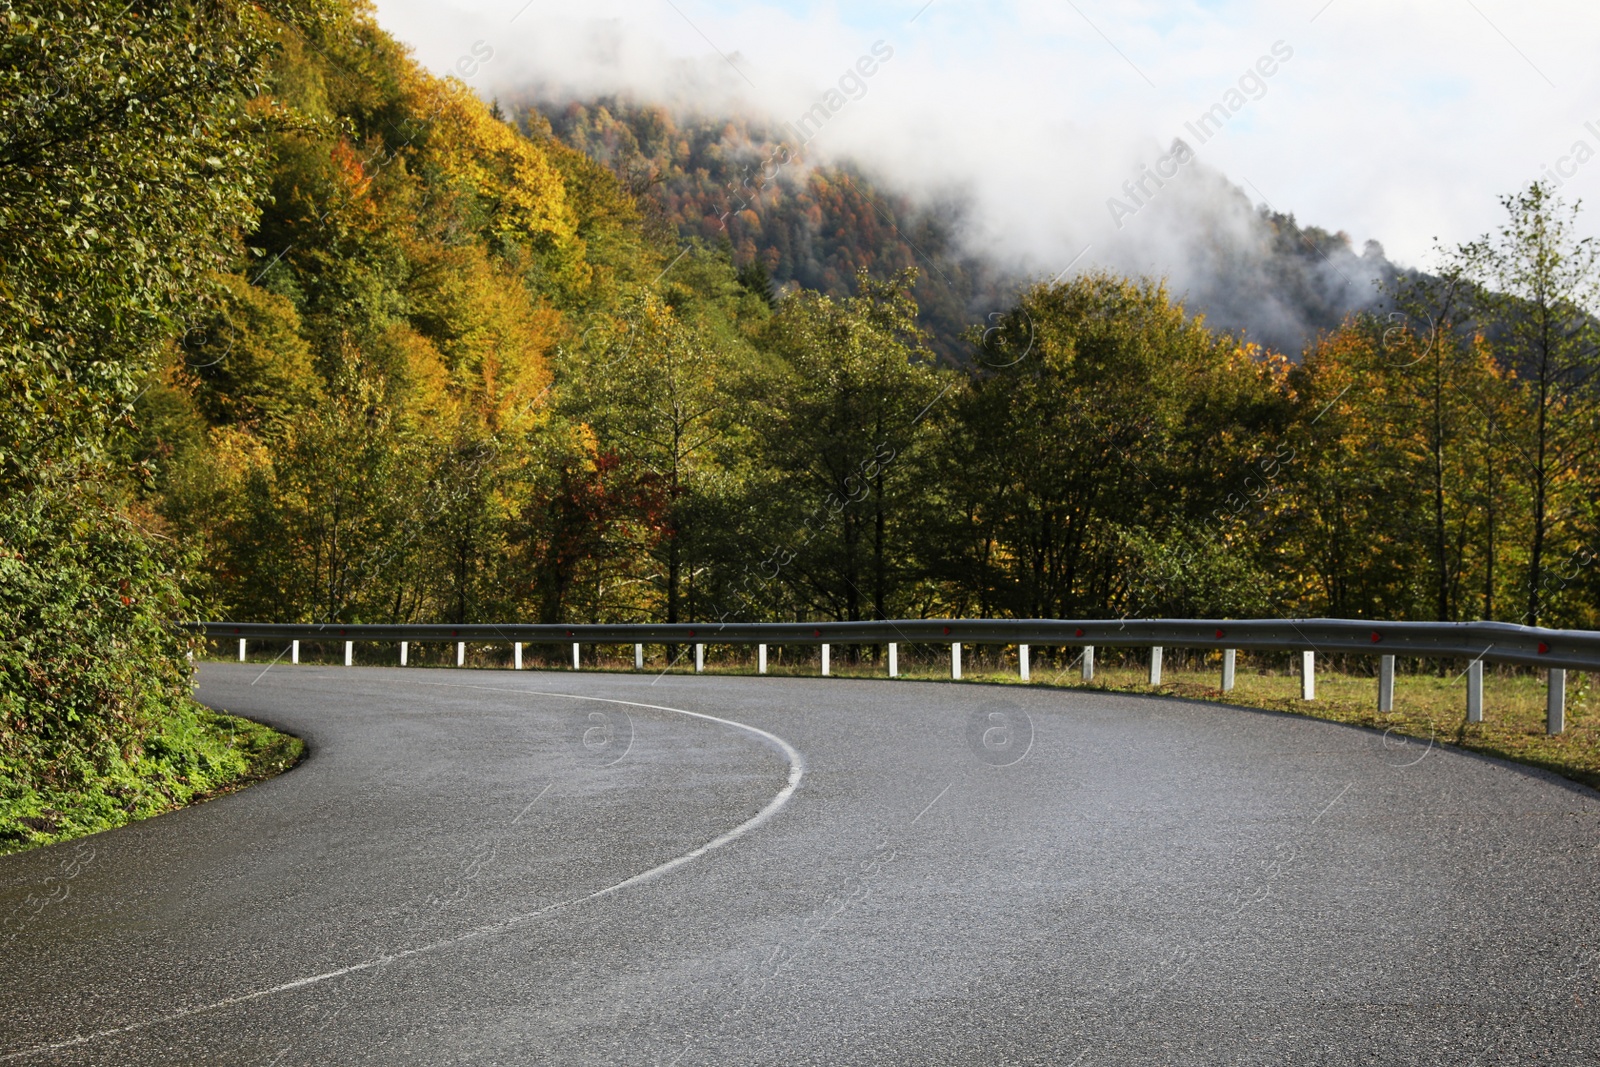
1428 704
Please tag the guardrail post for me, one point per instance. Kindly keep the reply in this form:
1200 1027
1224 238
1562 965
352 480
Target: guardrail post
894 659
461 653
349 651
699 657
1475 691
1555 706
1308 676
1230 659
1155 665
403 645
294 651
761 659
638 657
955 660
574 655
1022 662
824 661
241 650
1088 663
516 655
1385 683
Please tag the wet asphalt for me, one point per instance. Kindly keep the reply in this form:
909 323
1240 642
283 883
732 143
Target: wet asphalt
957 874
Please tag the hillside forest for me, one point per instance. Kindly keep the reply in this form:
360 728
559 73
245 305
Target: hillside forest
294 330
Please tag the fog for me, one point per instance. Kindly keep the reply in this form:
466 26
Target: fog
1052 124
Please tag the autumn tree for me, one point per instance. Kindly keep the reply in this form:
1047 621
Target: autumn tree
1538 290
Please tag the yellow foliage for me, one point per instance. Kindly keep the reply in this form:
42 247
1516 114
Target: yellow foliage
487 342
525 192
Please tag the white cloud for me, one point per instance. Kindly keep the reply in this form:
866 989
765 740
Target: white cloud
1396 122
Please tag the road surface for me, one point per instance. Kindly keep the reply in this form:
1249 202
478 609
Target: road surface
486 867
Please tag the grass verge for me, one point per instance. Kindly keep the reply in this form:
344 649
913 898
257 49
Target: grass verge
1428 707
195 755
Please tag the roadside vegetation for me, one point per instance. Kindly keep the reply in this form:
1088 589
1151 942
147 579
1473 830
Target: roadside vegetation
294 330
192 754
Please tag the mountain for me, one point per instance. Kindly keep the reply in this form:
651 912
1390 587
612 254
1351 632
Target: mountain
814 223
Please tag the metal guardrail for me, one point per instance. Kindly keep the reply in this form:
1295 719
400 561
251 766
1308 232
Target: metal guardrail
1493 642
1476 642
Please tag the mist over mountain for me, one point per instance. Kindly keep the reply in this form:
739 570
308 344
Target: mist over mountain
813 221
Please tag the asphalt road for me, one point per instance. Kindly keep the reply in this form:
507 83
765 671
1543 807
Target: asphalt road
476 867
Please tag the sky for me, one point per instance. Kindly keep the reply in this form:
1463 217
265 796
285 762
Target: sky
1397 122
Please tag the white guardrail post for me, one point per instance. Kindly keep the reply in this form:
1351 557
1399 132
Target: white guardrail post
1308 676
241 650
349 652
516 655
461 653
955 660
1088 663
1385 684
575 655
699 657
638 657
1022 662
403 650
1555 706
824 661
294 651
894 659
761 659
1230 659
1155 665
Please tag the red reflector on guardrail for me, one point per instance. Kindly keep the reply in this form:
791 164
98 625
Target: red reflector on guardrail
1376 637
1079 633
1543 648
1219 634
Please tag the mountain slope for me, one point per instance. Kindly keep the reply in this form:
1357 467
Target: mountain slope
813 224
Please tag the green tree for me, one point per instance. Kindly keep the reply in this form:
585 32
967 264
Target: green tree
840 416
652 389
129 155
1538 293
1099 409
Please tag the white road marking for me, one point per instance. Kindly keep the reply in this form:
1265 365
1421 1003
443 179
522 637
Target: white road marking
796 772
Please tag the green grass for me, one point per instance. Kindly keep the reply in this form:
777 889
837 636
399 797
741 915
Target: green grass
197 754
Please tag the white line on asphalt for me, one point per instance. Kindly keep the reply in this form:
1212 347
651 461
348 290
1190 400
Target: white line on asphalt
796 772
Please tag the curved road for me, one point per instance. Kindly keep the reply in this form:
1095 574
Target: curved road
497 868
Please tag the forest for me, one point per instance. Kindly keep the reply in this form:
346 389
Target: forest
294 330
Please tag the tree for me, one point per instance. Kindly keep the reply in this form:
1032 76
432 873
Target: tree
129 154
840 417
1538 293
1099 408
651 389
